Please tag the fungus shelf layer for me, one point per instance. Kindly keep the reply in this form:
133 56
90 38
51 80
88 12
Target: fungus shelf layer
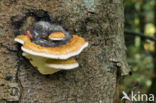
50 48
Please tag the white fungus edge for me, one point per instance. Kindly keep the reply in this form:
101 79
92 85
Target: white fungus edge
56 38
19 41
63 66
55 56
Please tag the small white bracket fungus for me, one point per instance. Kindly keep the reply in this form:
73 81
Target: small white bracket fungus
56 36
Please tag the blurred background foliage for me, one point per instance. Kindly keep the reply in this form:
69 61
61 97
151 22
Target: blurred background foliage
140 38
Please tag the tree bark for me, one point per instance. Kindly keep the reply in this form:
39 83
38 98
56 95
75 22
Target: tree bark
100 22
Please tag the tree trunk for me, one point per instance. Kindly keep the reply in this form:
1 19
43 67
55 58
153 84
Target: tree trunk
100 22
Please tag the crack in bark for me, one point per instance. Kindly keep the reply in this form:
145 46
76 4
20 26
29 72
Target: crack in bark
6 47
17 74
6 101
117 89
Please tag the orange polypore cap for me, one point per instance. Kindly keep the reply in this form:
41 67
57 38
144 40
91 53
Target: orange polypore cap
21 38
72 48
56 36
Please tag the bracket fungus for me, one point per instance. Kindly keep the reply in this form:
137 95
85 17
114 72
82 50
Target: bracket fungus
50 48
56 36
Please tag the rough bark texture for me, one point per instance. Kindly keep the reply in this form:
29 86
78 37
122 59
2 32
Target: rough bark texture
100 22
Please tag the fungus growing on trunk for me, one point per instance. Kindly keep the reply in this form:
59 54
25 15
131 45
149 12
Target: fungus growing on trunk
56 36
50 48
50 66
21 38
